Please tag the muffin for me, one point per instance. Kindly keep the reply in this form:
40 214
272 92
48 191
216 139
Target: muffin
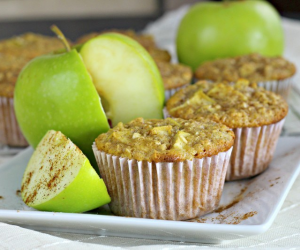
170 169
272 73
15 53
147 41
255 115
174 76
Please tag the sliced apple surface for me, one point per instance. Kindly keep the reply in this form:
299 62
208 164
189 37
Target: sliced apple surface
125 76
60 178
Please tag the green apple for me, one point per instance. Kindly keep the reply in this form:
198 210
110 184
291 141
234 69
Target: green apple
56 92
213 30
125 76
60 178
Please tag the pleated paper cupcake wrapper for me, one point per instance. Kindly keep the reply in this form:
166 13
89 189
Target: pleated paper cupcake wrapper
253 150
10 133
281 87
168 191
170 92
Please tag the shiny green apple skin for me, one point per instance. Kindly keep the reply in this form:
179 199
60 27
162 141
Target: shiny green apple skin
217 30
60 178
125 76
85 193
56 92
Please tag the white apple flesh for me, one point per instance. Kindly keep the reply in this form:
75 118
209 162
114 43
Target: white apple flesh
60 178
125 76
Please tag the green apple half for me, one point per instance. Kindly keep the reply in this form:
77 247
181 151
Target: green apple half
60 178
57 92
125 76
213 30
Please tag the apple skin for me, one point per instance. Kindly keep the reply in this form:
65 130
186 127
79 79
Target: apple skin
125 76
85 193
76 187
56 92
218 30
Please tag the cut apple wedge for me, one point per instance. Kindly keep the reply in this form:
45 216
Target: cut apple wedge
125 76
60 178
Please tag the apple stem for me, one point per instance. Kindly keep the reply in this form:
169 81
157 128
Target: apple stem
61 36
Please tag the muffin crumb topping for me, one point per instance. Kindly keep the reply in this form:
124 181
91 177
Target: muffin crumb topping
253 67
240 104
16 52
174 75
168 140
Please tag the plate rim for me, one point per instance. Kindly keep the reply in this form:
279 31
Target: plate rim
244 230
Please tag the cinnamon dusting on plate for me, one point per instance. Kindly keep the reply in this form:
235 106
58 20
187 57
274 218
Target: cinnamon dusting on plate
236 200
231 218
239 218
228 218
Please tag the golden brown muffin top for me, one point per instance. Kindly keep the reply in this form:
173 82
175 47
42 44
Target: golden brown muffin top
17 51
146 40
253 67
168 140
240 104
159 55
30 45
174 75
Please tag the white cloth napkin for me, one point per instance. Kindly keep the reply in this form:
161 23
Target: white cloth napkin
13 237
284 233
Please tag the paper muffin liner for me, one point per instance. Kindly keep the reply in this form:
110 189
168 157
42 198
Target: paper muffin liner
253 150
164 190
281 87
10 133
170 92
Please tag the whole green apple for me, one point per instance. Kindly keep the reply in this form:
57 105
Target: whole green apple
217 30
125 76
60 178
57 92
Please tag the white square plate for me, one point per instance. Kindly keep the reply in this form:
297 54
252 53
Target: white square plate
247 207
